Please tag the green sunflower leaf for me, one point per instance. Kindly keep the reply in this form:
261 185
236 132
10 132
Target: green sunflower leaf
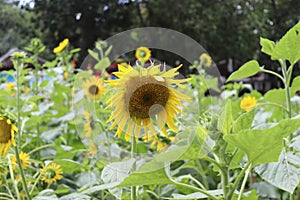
288 46
283 174
295 85
276 96
263 146
226 119
250 68
267 46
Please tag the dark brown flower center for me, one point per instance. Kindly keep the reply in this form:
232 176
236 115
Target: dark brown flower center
145 96
5 131
94 89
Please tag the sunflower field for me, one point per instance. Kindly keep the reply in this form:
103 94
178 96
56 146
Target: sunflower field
145 131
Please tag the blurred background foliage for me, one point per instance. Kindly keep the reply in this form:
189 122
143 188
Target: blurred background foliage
225 28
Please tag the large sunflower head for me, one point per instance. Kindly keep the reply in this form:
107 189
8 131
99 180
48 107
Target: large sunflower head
93 88
142 54
143 97
24 157
7 135
51 173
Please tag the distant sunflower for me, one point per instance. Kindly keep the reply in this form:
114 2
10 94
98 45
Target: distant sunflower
89 125
206 60
142 96
7 135
248 103
62 45
142 54
94 88
51 173
24 157
10 86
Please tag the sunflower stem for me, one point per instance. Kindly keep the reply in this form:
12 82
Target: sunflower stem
13 178
19 66
133 156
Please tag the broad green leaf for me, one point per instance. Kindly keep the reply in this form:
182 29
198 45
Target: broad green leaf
226 119
267 46
295 85
250 68
276 96
103 63
244 121
68 166
94 54
263 146
147 176
62 189
46 195
283 174
288 46
116 172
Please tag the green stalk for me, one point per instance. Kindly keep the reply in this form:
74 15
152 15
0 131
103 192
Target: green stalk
237 180
13 180
18 67
244 182
133 156
287 75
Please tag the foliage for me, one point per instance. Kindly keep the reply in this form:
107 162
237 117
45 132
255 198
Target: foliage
218 146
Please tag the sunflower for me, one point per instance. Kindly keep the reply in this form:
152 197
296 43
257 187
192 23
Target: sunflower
205 59
10 86
7 135
62 45
24 157
51 173
145 96
248 103
89 125
94 88
142 54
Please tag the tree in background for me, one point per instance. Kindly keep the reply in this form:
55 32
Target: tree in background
226 28
16 29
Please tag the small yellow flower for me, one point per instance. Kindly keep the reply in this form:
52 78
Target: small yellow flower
10 86
7 135
51 173
142 54
206 60
94 88
24 157
62 45
248 103
65 74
